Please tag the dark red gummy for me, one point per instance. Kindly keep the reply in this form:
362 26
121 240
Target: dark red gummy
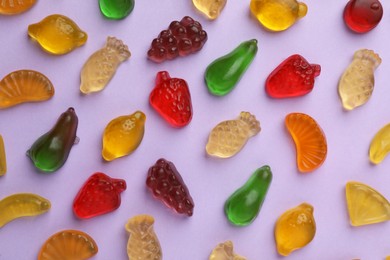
363 15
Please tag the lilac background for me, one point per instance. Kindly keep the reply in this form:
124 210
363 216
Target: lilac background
321 37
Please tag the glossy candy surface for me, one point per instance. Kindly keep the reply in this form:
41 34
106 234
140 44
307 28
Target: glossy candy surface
224 251
380 145
294 229
292 78
166 184
99 195
57 34
116 9
50 151
210 8
11 7
123 135
102 65
171 98
3 160
357 83
180 39
223 74
362 16
243 206
229 137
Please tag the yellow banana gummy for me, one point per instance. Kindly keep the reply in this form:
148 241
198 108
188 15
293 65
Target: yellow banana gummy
210 8
3 161
380 145
224 251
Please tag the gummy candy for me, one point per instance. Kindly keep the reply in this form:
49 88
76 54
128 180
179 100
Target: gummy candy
123 135
229 137
362 16
180 39
357 83
11 7
116 9
50 151
210 8
309 139
294 229
292 78
143 242
277 15
101 66
224 251
366 205
99 195
223 74
22 205
57 34
171 98
3 161
243 206
68 245
167 185
380 145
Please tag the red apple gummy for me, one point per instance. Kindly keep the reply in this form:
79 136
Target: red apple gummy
362 16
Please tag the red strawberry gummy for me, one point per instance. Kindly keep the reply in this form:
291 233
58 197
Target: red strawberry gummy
292 78
99 195
171 98
180 39
166 184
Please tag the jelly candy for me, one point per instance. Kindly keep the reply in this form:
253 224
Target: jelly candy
123 135
223 74
380 145
366 205
362 16
171 98
3 161
180 39
11 7
224 251
243 206
309 139
57 34
167 185
357 83
50 151
101 66
68 245
99 195
229 137
278 15
22 205
294 229
210 8
24 86
143 242
116 9
292 78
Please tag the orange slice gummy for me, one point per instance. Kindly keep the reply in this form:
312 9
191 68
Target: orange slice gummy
10 7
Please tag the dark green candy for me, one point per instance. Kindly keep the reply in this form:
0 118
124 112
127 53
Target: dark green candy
116 9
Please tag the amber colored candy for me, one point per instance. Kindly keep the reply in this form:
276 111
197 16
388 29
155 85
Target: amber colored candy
102 65
365 204
380 145
3 161
362 16
68 245
57 34
229 137
357 83
224 251
11 7
210 8
123 135
309 139
143 242
294 229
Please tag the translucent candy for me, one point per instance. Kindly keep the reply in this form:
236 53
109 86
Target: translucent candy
294 229
224 251
3 161
380 145
11 7
229 137
357 83
116 9
362 16
210 8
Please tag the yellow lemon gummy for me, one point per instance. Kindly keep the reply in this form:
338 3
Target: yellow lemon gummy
210 8
224 251
380 145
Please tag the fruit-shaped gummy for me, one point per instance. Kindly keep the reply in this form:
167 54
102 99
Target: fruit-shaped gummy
292 78
380 145
12 7
57 34
116 9
243 206
277 15
223 74
171 98
224 251
99 195
362 16
50 151
3 160
210 8
180 39
166 184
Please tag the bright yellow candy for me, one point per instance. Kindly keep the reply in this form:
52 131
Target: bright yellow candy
277 15
57 34
10 7
123 135
3 161
210 8
295 229
224 251
380 145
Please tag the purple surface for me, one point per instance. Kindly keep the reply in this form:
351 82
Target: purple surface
321 37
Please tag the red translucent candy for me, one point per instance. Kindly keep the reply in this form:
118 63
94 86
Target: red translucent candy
363 15
166 184
99 195
171 98
292 78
